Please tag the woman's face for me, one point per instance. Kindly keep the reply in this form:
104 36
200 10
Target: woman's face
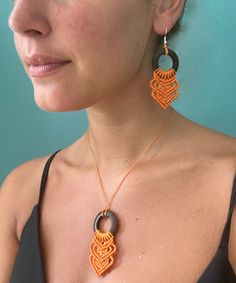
104 40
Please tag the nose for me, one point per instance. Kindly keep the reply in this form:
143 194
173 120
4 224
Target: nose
29 18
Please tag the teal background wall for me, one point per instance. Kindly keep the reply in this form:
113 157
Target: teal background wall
206 47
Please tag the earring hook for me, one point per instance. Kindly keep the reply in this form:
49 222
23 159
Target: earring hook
165 41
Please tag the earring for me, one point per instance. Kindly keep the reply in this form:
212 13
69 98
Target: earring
164 84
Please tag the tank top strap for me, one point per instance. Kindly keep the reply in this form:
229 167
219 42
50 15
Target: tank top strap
226 232
45 175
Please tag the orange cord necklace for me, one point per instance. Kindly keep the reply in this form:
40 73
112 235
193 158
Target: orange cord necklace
102 246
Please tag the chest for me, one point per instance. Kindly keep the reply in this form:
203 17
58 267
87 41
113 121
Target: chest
167 232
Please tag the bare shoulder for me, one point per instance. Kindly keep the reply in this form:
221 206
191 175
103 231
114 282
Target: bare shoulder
209 141
221 150
18 182
20 191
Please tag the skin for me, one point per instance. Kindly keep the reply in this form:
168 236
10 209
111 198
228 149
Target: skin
111 47
93 35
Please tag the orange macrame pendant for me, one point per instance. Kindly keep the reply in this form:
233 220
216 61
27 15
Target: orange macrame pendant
102 249
102 246
164 86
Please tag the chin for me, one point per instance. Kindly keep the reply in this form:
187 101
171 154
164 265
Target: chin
59 102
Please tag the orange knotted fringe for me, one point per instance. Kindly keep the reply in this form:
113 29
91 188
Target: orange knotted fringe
102 249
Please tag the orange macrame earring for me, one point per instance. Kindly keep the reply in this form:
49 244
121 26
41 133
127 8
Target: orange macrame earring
164 84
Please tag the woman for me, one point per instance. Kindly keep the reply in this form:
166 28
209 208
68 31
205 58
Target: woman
171 208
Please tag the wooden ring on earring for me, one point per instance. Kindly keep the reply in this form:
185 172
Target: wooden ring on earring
171 53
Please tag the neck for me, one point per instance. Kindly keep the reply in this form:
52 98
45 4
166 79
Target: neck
123 124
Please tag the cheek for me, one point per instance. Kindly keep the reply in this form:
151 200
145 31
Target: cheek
82 27
105 41
106 46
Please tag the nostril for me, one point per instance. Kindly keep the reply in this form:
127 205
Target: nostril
33 32
20 27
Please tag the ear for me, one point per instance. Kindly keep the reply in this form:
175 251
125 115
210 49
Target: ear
166 14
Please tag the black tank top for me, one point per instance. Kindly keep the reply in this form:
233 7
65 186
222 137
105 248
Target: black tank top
28 267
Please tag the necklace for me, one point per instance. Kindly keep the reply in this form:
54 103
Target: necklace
102 247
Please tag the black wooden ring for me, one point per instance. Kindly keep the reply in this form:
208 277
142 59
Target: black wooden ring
161 52
111 215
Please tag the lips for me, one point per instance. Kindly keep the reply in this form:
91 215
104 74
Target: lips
39 59
40 65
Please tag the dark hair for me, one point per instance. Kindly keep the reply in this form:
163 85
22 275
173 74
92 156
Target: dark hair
177 27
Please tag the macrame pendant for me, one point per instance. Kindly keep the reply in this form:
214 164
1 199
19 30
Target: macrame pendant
102 246
164 83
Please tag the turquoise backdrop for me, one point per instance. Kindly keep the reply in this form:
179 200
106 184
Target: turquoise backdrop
206 47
